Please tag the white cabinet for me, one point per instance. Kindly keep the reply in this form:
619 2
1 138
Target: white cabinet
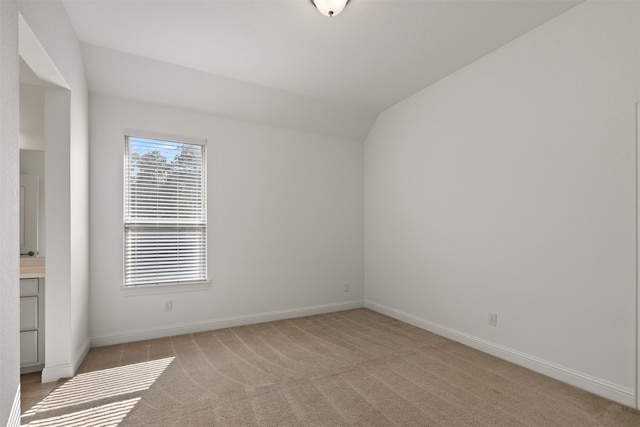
31 325
28 349
29 313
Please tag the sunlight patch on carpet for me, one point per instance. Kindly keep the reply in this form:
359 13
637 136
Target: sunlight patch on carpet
110 414
102 384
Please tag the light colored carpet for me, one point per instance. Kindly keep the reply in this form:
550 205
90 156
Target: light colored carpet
354 367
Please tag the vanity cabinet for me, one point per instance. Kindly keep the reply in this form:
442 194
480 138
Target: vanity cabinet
31 325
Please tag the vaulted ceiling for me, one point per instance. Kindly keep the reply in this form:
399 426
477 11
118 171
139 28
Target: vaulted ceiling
280 62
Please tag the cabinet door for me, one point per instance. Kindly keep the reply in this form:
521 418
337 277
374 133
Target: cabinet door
28 313
28 287
28 348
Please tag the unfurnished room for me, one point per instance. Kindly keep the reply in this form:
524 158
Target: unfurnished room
319 212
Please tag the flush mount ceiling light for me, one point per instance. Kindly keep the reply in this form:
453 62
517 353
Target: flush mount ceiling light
330 7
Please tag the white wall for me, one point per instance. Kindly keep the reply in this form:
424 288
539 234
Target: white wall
66 157
509 187
9 222
129 76
31 117
285 224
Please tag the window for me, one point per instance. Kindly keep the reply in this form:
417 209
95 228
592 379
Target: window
165 210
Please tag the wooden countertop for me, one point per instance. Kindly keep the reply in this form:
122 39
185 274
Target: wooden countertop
32 267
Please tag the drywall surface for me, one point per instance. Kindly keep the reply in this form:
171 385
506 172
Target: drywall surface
66 163
509 187
130 76
9 220
31 117
285 227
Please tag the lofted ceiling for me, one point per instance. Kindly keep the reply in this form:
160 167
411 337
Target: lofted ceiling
281 62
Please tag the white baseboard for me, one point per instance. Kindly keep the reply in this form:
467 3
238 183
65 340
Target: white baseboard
81 354
67 370
14 415
581 380
54 373
208 325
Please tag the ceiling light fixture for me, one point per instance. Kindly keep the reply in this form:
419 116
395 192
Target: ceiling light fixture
330 7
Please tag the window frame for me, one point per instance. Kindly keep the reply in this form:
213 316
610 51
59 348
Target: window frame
163 286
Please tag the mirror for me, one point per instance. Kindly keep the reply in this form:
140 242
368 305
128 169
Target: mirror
28 215
32 163
32 212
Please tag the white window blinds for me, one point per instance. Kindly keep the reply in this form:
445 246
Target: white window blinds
165 218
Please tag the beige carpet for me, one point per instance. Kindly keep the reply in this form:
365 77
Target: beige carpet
349 368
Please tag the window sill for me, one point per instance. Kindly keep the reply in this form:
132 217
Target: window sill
131 291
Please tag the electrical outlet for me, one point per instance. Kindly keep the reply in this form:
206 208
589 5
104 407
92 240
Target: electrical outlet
347 287
168 305
493 319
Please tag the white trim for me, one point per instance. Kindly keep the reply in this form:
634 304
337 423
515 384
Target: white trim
637 288
35 55
68 370
149 134
584 381
132 291
54 373
209 325
80 355
14 415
